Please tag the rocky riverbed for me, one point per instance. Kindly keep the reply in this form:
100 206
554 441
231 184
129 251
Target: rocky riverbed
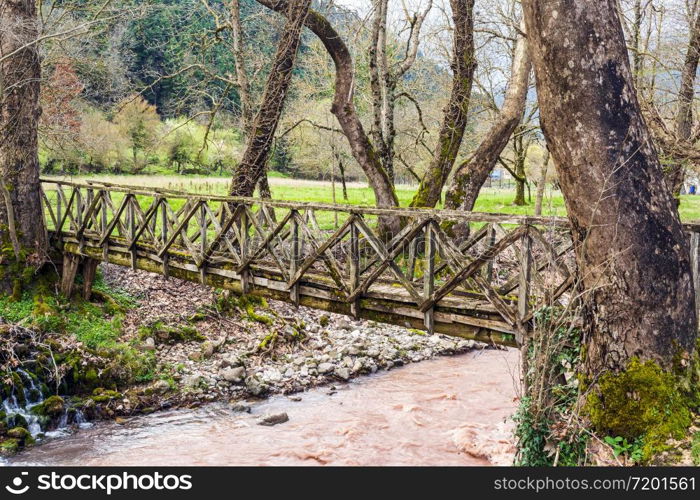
212 347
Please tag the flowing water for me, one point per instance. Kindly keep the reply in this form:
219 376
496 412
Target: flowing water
447 411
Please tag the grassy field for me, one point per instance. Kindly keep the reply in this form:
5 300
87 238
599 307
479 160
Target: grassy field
491 200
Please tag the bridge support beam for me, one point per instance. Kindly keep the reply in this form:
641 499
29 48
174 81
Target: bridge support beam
70 270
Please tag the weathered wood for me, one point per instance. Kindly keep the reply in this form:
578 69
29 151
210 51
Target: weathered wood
70 270
89 272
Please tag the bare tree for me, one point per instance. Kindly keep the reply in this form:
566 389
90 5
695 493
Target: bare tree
455 117
21 217
471 175
630 248
253 164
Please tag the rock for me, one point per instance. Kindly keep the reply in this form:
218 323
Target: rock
240 406
21 433
234 375
231 360
255 386
344 324
159 387
192 381
274 419
207 349
326 367
149 344
195 356
343 373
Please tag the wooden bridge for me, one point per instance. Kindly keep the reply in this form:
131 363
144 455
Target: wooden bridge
330 257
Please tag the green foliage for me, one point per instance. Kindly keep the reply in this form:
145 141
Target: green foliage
169 334
621 447
695 448
642 403
544 432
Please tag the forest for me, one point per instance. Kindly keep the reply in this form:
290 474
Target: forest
211 201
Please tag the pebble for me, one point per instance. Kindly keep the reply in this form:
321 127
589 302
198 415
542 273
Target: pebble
234 375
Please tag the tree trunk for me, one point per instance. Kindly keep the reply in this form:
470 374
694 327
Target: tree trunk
241 72
684 117
21 217
471 175
344 110
632 254
541 184
260 138
455 118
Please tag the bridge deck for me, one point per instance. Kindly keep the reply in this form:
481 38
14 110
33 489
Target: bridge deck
487 286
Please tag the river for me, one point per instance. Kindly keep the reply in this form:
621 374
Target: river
425 413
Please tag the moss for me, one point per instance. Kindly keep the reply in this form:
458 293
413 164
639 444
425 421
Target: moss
101 395
641 403
170 334
50 407
324 320
9 446
695 448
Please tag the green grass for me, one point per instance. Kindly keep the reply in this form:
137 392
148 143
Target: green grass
491 200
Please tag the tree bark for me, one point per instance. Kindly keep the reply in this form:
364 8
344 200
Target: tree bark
254 161
241 71
632 254
455 118
343 108
684 117
470 175
541 184
20 202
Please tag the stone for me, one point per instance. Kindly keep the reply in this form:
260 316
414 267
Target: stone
230 360
326 368
255 386
233 375
207 349
160 387
240 406
344 324
195 356
192 381
149 344
273 419
343 373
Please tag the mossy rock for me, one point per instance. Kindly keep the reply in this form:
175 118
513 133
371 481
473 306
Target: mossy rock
19 433
9 446
644 403
101 395
53 407
167 334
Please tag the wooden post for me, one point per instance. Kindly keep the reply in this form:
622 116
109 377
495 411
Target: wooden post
490 241
164 233
131 228
429 277
59 211
294 257
89 272
203 239
245 274
695 266
105 250
70 269
354 267
524 284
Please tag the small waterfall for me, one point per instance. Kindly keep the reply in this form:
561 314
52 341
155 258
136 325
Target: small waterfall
33 396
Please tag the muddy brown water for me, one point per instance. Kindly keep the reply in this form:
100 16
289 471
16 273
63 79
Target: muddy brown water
426 413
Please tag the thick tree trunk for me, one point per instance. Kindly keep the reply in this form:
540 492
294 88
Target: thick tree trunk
632 255
684 117
253 164
343 108
455 119
21 218
470 176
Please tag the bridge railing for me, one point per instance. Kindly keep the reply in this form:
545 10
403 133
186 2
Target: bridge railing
495 277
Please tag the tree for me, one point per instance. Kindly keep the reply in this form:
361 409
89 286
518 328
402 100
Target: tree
455 117
343 108
632 255
253 164
22 231
139 121
471 175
